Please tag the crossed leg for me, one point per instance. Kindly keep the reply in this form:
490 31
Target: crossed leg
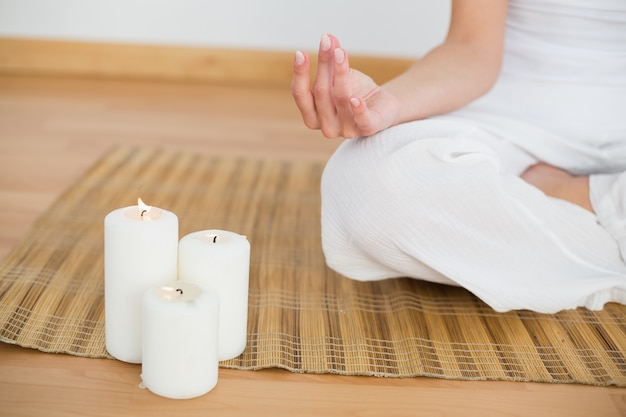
558 183
604 195
430 200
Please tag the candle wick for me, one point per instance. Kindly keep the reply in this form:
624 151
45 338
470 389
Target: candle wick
179 290
143 211
214 238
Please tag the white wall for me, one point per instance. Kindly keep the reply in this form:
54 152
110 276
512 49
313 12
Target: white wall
400 28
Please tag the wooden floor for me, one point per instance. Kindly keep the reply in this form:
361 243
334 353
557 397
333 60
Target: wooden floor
51 130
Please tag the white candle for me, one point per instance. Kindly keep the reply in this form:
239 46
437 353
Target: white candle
180 337
221 260
140 250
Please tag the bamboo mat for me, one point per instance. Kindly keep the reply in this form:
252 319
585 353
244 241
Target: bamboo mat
302 316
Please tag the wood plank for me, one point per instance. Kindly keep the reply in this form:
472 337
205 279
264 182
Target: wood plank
31 382
159 62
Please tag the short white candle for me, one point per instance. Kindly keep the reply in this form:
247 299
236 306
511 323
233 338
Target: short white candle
140 250
180 331
220 260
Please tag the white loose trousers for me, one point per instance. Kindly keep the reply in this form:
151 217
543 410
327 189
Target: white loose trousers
442 201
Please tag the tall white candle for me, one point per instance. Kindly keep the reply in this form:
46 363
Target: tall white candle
140 250
180 337
221 260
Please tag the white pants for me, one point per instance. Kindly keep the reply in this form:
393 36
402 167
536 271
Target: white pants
442 201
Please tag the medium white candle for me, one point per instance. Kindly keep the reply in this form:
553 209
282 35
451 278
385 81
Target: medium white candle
140 250
220 260
180 337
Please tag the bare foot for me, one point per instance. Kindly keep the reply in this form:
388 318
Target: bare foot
558 183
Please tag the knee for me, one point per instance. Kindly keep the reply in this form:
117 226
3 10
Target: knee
370 187
378 188
347 208
361 188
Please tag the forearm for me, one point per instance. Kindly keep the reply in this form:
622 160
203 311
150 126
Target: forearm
461 69
448 78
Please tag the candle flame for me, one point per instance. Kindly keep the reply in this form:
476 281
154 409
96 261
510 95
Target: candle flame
143 206
143 209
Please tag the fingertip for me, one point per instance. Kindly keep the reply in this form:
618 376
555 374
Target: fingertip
325 43
333 39
299 58
340 56
355 102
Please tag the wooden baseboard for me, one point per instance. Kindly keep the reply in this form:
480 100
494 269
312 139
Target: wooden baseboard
172 63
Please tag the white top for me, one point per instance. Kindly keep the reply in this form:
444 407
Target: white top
562 91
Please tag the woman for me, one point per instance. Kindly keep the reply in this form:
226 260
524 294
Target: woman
493 163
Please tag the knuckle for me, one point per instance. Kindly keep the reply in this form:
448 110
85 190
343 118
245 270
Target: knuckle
310 122
299 94
320 90
329 132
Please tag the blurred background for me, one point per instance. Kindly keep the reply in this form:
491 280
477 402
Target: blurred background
388 28
78 77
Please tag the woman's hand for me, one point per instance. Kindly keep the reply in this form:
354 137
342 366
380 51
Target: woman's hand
342 102
345 102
